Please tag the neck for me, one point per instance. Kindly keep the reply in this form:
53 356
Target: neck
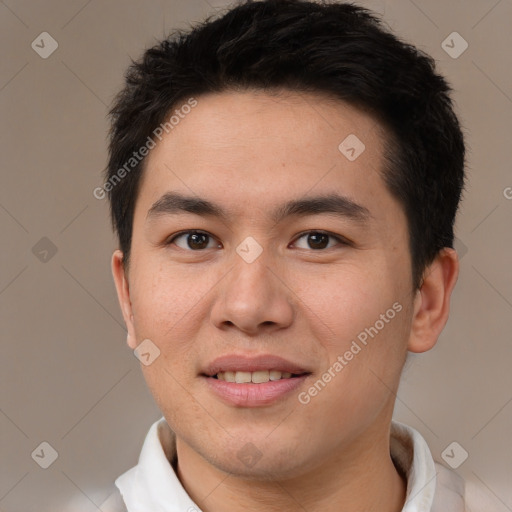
357 478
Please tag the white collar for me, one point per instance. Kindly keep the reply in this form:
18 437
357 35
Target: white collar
430 486
153 484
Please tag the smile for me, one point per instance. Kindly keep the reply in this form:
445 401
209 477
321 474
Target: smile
259 377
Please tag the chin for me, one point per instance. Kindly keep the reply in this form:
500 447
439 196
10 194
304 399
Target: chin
260 461
264 470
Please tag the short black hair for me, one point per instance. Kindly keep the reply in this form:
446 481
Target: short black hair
339 50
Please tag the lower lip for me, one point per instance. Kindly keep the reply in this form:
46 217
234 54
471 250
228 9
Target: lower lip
254 395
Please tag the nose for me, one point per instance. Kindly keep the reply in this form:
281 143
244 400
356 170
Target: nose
253 298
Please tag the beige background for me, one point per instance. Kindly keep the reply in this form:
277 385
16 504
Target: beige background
68 378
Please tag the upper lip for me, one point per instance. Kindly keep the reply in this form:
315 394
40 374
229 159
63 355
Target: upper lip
234 362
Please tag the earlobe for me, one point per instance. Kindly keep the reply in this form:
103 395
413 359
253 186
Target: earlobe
432 301
123 295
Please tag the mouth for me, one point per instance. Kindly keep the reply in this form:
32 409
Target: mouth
257 377
243 369
243 381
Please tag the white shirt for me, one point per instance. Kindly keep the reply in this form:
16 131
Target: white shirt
153 486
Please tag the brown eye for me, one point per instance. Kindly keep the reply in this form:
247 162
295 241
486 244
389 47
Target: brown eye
194 240
318 240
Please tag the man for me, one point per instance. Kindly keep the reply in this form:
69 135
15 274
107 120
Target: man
284 181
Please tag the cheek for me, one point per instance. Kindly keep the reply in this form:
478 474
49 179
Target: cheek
169 309
362 324
361 378
164 299
346 302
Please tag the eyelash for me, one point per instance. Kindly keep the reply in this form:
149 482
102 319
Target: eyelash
341 241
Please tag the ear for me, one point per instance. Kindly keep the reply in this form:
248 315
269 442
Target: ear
123 294
432 301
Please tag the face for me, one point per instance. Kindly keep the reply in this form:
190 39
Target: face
254 238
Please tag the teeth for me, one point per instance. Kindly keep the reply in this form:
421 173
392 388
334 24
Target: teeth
242 377
258 377
261 376
228 376
275 375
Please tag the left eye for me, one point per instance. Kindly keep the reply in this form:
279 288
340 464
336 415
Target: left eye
318 240
194 240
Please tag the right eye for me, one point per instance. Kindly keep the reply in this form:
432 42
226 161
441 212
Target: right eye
194 240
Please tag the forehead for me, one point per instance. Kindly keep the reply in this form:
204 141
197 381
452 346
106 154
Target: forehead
256 119
261 147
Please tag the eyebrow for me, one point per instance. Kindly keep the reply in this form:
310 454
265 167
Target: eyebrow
172 203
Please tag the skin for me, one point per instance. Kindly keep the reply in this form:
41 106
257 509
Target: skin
250 152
